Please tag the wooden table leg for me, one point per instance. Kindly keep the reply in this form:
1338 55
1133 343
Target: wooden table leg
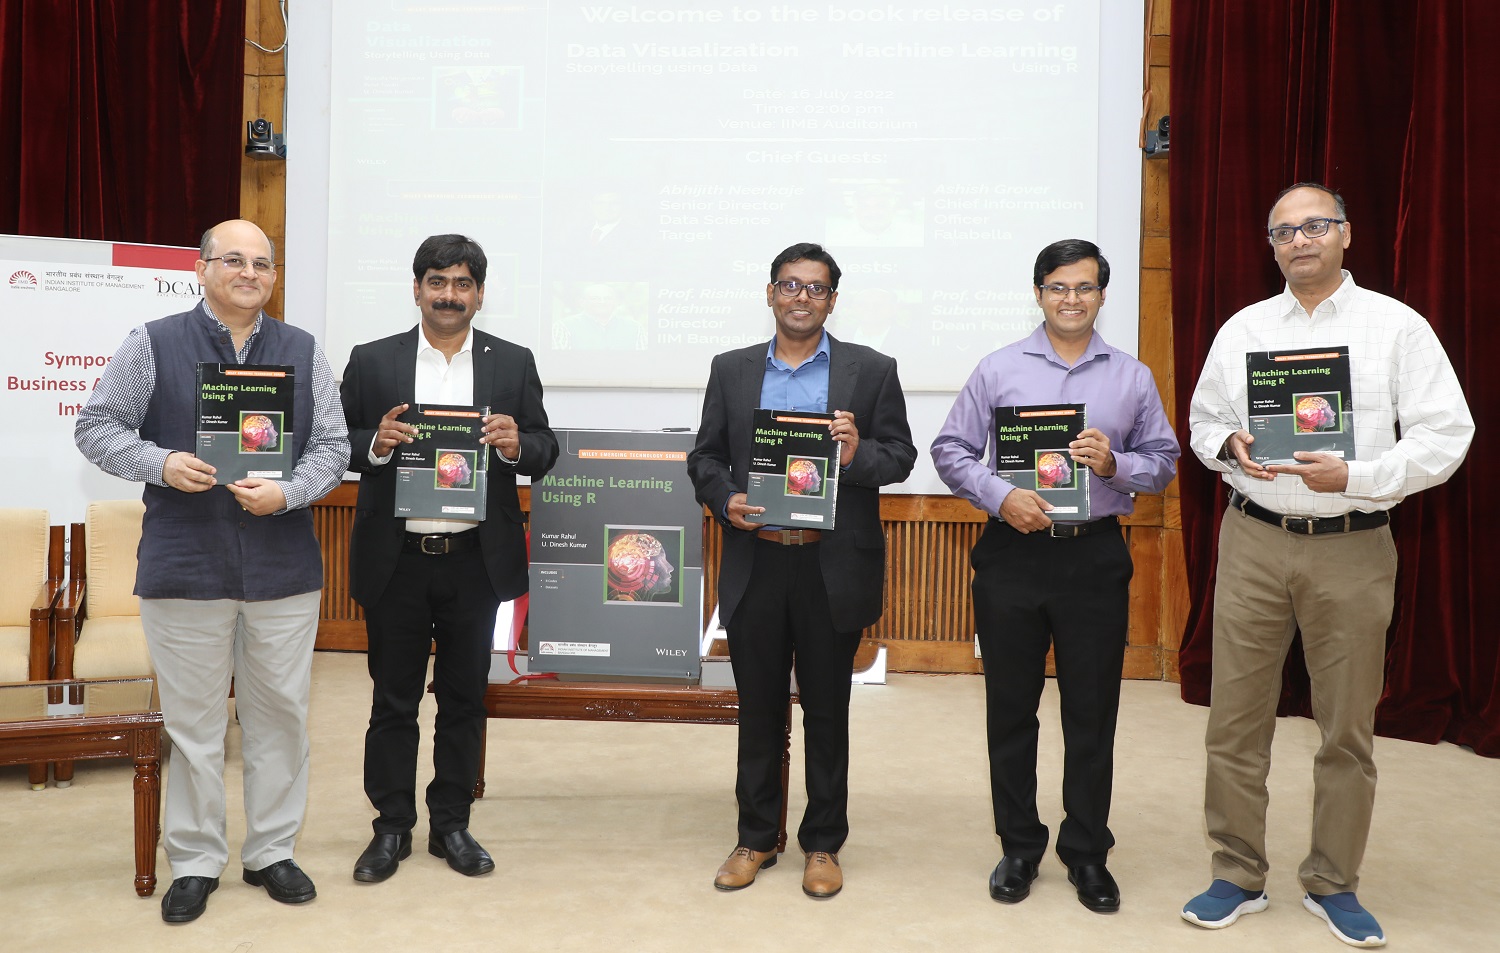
147 813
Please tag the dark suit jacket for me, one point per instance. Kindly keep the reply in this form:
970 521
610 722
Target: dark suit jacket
381 375
860 380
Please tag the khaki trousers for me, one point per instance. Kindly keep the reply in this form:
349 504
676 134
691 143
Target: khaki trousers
1339 589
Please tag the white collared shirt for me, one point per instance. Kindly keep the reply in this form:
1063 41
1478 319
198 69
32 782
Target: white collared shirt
1400 375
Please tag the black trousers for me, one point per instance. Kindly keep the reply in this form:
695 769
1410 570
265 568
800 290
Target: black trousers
447 600
781 622
1031 590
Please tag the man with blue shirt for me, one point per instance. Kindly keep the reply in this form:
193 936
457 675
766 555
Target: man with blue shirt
799 597
1065 584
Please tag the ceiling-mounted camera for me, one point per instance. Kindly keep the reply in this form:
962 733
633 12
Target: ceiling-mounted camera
262 141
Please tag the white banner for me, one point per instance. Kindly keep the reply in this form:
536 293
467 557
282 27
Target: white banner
68 305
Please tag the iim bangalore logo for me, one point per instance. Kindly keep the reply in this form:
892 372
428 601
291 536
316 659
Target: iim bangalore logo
23 279
167 288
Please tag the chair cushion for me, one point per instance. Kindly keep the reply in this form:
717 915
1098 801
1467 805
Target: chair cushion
23 564
113 529
15 650
112 646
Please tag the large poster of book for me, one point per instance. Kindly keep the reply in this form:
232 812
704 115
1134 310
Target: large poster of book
617 559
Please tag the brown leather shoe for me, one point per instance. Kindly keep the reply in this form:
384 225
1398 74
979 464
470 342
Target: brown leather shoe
740 868
822 877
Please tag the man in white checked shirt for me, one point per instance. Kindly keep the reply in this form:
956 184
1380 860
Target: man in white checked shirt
1308 545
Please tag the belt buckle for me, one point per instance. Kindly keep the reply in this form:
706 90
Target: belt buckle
791 537
1070 532
434 552
1306 521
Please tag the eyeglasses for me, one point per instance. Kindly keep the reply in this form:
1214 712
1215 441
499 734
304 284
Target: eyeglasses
1084 292
236 263
791 286
1316 228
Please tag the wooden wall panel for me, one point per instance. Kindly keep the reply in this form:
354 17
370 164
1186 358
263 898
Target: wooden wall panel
263 181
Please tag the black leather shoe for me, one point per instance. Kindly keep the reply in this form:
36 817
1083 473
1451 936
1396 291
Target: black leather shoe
462 852
284 881
382 857
1011 880
1097 890
187 898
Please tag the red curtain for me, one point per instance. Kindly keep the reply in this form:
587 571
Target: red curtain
1396 105
120 119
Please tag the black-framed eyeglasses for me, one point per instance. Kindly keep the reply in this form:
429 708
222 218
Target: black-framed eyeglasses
1316 228
790 287
262 266
1084 292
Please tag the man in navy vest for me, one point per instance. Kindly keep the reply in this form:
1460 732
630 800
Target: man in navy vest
229 574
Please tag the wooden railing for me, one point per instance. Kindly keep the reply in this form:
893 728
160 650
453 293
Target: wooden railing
928 623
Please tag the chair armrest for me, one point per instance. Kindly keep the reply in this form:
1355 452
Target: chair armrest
67 619
43 648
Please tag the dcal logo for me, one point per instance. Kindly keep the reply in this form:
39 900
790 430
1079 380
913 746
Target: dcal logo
23 279
179 288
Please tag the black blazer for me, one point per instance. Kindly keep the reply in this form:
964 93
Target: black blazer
382 374
860 380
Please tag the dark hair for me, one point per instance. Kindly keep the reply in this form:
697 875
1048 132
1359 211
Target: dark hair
1066 252
808 251
1338 200
445 251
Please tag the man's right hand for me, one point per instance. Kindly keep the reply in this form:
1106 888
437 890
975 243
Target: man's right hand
1025 511
187 473
1238 445
392 431
737 510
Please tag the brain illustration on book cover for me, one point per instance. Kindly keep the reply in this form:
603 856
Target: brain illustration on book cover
259 433
637 568
453 470
1315 414
1053 472
804 477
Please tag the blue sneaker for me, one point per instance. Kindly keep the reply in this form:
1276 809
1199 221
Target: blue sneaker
1346 918
1222 904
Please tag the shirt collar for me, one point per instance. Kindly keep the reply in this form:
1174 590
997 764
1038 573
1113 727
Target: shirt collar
822 351
424 345
1041 345
1334 302
208 309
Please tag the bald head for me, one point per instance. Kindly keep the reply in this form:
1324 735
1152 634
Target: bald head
236 267
239 226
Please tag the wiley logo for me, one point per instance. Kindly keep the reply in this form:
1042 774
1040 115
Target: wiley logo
675 653
23 279
178 289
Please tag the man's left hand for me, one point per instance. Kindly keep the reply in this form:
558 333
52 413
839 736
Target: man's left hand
1092 450
258 497
843 430
1321 472
501 432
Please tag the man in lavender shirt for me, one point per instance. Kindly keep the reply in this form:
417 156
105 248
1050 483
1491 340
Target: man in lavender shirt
1067 584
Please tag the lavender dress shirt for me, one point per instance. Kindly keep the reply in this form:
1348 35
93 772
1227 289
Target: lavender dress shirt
1122 403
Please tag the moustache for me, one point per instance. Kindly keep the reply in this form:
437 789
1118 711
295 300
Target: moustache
449 306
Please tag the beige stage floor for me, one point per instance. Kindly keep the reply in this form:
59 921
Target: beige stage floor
607 836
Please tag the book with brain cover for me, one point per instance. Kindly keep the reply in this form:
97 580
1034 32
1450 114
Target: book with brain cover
1031 453
1299 400
444 473
245 420
794 469
617 559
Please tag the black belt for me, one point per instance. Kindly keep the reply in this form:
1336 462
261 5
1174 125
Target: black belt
790 537
1309 525
1072 530
440 544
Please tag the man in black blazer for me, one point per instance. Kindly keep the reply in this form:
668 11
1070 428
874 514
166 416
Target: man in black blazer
436 581
799 597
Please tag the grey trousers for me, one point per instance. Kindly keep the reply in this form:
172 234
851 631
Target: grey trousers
196 647
1339 588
